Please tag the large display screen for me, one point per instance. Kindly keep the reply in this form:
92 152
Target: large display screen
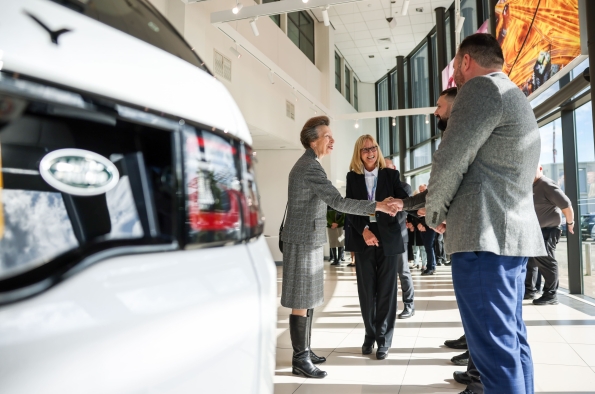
538 39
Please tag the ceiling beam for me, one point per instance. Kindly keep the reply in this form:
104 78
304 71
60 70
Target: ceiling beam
274 8
394 113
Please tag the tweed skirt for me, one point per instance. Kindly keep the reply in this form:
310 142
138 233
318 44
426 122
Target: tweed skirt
303 276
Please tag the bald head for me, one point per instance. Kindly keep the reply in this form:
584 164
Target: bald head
390 164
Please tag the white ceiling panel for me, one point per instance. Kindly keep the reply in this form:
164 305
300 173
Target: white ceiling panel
342 37
361 35
373 15
356 27
365 43
360 25
345 44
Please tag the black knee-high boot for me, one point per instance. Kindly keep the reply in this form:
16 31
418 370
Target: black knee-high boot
315 359
301 363
341 253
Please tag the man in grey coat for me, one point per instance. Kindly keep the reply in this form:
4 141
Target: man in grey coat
481 187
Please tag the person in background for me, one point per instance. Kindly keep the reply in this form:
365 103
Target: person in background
304 236
428 236
348 241
378 243
402 263
550 202
335 221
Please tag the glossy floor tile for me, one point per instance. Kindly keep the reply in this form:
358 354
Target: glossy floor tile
562 339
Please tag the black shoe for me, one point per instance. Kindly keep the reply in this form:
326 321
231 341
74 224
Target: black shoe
381 353
367 349
315 359
529 296
438 263
462 377
447 263
301 363
408 312
460 343
543 300
335 263
428 272
467 391
461 359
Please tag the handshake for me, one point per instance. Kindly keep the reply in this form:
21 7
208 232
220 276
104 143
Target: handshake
390 205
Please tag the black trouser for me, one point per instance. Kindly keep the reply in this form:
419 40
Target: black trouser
405 278
547 265
476 386
439 248
377 291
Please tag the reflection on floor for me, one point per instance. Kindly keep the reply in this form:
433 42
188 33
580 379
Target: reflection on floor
562 339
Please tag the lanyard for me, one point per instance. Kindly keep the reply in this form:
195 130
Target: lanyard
372 194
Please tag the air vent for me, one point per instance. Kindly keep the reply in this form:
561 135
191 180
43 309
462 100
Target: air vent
290 110
222 66
420 9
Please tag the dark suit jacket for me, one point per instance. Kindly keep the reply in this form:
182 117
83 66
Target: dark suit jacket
388 185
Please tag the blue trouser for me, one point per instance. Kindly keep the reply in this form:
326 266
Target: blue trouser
428 237
489 290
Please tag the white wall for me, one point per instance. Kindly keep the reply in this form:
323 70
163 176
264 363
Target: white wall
263 103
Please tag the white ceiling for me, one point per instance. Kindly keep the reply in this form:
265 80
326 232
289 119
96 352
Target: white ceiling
358 27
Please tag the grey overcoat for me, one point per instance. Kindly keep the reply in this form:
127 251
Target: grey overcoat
304 233
482 174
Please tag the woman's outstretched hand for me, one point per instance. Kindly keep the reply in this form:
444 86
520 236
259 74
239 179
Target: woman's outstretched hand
390 205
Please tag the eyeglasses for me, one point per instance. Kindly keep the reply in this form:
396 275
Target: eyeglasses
371 149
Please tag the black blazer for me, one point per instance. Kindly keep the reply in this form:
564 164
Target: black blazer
390 228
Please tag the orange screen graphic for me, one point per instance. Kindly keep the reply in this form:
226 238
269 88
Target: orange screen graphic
546 46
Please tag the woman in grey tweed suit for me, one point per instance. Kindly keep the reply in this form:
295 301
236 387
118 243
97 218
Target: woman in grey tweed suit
304 236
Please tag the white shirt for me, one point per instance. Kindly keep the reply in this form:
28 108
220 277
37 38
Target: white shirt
371 182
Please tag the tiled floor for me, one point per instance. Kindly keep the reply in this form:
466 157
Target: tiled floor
562 339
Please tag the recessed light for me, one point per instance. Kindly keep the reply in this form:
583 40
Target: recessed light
386 48
420 9
371 56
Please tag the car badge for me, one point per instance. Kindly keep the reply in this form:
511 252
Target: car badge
78 172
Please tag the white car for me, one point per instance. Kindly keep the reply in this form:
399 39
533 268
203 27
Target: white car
132 258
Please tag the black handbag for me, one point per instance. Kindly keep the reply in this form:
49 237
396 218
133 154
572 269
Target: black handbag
281 229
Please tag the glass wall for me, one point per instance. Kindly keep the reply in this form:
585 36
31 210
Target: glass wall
355 103
469 11
420 95
337 71
583 120
383 123
552 161
275 18
448 38
347 84
300 30
394 122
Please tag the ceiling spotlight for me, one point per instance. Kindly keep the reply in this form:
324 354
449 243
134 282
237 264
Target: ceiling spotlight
304 1
327 21
371 56
235 52
395 121
427 118
356 124
254 27
405 7
237 8
271 76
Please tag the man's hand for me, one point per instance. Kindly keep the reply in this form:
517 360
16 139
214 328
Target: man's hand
390 206
370 238
409 226
441 228
334 225
570 228
421 212
421 227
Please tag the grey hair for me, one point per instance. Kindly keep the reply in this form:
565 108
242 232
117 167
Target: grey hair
309 132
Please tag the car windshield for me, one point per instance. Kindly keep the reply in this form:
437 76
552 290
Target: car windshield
139 19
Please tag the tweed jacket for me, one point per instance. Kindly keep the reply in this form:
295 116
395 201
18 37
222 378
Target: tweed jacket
390 227
309 193
482 174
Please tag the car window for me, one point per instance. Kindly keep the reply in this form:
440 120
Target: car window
139 19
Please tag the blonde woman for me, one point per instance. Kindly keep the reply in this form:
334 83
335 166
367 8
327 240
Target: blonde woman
377 243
